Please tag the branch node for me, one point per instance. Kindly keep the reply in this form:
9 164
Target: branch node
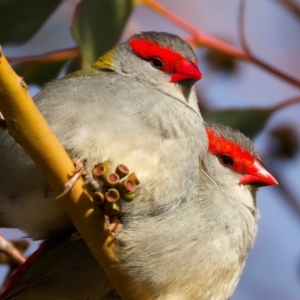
23 83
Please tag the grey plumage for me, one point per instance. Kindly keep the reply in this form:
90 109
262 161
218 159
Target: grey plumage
195 250
188 232
131 114
123 110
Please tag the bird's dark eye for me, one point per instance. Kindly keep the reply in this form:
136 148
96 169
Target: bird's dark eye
156 63
226 161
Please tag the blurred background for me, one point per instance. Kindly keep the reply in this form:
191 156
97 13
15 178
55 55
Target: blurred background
257 92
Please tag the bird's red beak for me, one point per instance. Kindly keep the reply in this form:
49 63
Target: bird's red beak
186 70
258 174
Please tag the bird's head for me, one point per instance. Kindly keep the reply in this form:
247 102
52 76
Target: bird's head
233 162
158 58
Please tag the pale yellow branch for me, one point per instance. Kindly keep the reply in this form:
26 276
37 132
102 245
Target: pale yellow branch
30 130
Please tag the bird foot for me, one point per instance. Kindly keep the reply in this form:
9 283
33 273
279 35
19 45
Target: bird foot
11 253
79 169
115 187
114 226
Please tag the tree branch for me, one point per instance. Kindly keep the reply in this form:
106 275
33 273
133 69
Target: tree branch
252 58
200 37
203 39
292 6
52 56
29 129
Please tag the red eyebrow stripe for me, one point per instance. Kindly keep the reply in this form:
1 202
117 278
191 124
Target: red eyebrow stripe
218 145
148 49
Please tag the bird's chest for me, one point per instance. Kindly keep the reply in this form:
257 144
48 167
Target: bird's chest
160 145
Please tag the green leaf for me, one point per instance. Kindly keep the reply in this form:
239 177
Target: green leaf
20 20
39 72
98 25
250 121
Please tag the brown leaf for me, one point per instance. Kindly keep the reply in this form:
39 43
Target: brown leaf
287 144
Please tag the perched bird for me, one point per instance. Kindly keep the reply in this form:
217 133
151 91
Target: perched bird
196 250
136 105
